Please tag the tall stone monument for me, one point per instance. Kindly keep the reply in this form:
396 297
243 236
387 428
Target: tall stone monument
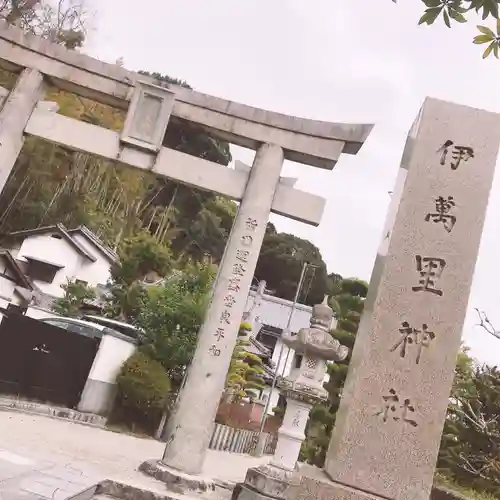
388 428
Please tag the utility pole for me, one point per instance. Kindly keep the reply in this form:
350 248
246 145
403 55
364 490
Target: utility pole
260 445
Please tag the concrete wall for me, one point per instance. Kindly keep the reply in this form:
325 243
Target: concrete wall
39 313
100 389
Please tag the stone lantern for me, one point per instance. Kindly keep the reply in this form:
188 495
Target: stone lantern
303 388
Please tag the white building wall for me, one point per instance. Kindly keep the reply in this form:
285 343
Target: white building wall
275 312
285 364
60 252
53 250
94 273
113 352
100 389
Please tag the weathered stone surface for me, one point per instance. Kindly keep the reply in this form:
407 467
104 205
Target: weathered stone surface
7 403
246 492
306 141
14 115
176 481
181 167
316 488
115 489
389 424
315 485
191 425
271 481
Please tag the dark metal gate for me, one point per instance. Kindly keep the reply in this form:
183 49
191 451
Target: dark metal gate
41 362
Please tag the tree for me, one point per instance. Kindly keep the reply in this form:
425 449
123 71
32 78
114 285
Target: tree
171 316
142 392
244 377
60 21
470 445
75 295
347 301
458 10
280 264
486 324
139 257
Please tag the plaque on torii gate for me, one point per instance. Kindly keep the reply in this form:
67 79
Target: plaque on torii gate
275 137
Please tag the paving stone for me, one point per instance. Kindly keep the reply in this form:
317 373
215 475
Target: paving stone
47 480
38 488
77 457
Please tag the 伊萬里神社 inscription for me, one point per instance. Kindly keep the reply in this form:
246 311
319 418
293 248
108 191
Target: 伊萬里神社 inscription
419 338
457 154
430 270
442 213
396 409
401 372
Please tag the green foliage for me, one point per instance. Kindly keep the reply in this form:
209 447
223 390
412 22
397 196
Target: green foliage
75 294
140 256
143 387
470 445
458 10
445 482
244 377
280 264
489 37
171 316
347 300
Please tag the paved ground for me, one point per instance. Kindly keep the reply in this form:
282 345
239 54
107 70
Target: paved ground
44 458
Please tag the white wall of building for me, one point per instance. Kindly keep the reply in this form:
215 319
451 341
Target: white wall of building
113 352
284 364
53 250
94 273
275 312
60 252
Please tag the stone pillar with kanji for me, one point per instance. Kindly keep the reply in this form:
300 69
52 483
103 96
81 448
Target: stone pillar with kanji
389 424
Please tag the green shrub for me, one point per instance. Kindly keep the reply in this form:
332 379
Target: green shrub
143 387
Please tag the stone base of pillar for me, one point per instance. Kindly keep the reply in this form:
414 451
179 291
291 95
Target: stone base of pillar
314 483
266 482
175 480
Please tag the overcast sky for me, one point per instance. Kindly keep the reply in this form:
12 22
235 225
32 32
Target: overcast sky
360 61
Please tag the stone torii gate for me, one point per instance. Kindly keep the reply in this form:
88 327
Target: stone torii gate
275 137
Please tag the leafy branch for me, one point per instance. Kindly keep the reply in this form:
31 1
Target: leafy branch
458 10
